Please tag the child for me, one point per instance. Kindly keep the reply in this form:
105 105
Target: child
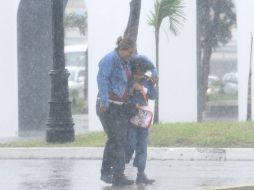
142 89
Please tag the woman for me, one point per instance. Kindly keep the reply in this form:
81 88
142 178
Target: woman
113 79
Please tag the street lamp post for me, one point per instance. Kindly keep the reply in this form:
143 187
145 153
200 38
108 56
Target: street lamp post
60 123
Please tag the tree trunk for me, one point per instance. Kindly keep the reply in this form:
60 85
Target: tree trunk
156 105
131 30
200 98
207 52
86 82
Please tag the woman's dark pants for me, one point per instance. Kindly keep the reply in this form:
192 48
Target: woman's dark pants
114 122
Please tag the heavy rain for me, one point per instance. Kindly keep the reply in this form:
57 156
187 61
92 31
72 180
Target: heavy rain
71 70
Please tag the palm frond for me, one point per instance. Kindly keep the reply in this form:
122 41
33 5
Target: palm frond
171 9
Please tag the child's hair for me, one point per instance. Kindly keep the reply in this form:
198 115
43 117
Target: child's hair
139 64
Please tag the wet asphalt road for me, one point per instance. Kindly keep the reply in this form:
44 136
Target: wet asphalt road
75 174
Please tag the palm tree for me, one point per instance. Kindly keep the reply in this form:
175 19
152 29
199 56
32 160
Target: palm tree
173 10
133 22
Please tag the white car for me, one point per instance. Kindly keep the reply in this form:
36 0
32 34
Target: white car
213 85
230 83
230 77
76 61
76 79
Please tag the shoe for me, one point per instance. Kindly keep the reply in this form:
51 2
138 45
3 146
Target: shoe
107 178
141 178
121 180
107 175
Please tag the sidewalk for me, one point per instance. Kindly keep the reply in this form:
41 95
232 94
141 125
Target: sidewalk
78 174
92 153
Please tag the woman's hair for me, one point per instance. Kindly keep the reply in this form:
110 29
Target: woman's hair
125 43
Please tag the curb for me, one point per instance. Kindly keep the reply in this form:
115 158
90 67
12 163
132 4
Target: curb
235 187
95 153
212 154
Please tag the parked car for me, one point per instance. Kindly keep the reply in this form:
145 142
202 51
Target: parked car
230 83
230 77
76 80
76 61
214 85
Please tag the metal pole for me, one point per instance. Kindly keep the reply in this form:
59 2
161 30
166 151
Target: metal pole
249 99
60 123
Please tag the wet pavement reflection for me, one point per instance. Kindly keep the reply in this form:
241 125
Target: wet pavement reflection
71 174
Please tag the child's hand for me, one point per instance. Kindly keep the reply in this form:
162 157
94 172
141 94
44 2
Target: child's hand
138 106
153 79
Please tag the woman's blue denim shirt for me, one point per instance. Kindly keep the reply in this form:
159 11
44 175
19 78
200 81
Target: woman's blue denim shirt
112 77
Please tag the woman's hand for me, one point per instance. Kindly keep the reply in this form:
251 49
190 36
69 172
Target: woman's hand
103 109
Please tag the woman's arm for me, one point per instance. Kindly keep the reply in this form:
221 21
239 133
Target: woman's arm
103 76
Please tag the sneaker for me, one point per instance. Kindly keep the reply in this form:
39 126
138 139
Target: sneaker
107 175
141 178
121 180
107 178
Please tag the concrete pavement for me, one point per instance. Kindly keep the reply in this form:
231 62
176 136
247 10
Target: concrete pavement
82 174
62 168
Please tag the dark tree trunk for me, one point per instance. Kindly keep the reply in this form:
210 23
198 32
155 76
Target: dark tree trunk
200 98
207 52
131 30
204 56
86 83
